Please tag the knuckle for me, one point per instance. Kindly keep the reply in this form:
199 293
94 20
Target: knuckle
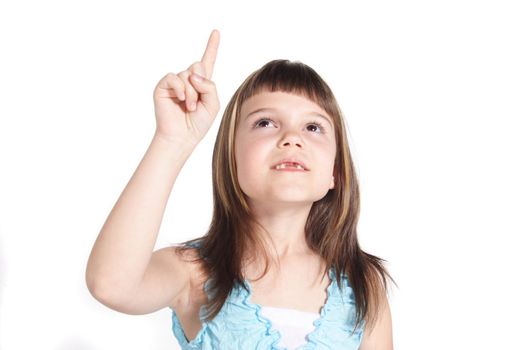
190 91
179 82
184 74
198 67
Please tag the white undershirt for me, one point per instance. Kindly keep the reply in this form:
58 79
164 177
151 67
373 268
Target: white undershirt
293 325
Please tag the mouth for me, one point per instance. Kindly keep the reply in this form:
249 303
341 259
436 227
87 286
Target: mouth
289 166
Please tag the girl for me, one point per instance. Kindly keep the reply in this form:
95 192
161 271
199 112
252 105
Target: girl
280 266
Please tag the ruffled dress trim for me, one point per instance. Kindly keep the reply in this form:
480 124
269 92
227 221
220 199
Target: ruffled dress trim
340 305
335 301
270 331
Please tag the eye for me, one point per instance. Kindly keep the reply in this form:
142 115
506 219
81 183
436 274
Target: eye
264 121
318 126
256 124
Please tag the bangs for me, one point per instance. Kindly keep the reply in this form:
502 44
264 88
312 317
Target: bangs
291 77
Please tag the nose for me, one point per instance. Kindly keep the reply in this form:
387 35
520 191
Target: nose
291 139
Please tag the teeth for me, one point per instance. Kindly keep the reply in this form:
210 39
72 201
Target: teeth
288 165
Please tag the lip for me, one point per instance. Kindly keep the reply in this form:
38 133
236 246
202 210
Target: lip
291 169
291 160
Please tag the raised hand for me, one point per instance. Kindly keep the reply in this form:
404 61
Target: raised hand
185 106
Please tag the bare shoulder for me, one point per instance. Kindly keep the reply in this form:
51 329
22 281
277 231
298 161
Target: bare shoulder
379 337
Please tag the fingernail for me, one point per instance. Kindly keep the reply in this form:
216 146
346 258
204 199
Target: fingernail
193 106
197 77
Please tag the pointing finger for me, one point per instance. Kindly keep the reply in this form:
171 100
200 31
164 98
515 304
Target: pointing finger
210 54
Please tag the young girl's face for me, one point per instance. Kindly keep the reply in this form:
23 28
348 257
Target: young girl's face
277 125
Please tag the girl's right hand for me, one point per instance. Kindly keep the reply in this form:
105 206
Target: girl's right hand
174 95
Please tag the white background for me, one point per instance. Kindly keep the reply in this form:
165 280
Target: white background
433 94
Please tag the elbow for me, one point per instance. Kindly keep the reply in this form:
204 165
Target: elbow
97 289
108 295
104 291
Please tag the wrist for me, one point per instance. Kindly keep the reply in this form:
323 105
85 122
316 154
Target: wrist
177 144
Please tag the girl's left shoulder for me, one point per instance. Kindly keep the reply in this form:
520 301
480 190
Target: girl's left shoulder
379 336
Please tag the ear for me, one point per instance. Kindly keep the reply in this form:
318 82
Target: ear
332 184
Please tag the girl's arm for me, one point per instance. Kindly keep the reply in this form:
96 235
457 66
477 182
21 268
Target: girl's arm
122 272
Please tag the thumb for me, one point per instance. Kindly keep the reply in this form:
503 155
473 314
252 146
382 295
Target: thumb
207 92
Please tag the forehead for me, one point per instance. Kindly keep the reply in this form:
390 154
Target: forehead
281 101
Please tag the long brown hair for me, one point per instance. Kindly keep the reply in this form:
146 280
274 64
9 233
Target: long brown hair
331 225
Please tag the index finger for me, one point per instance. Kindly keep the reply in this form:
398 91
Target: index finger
210 54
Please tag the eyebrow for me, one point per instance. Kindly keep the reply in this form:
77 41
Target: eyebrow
266 109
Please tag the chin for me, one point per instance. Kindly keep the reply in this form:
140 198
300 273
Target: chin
288 197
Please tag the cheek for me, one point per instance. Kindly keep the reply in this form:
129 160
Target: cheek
246 162
328 163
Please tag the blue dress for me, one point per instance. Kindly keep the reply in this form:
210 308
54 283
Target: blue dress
239 325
